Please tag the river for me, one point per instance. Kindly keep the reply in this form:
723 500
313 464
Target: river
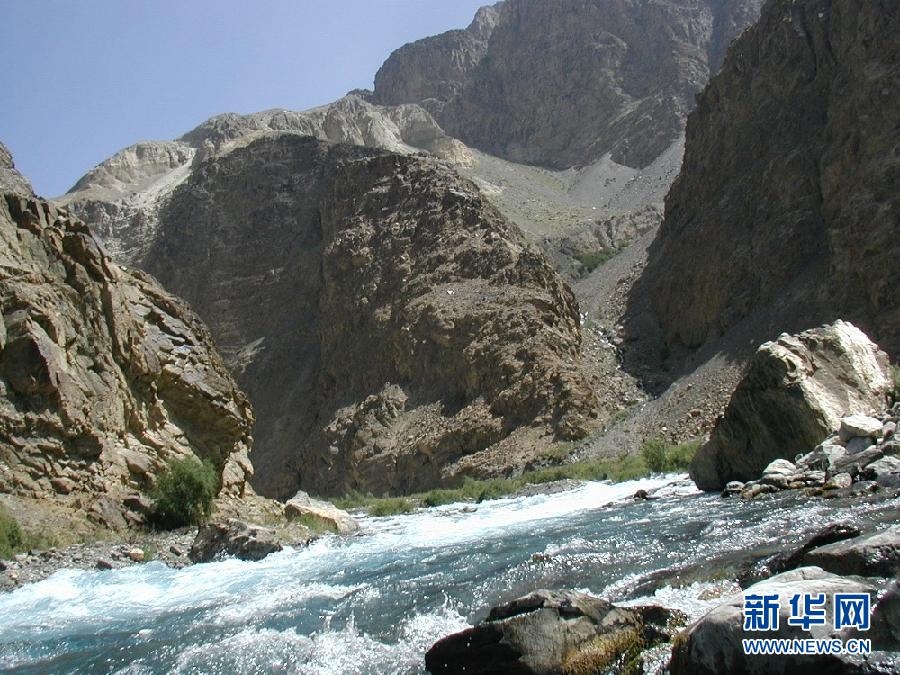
374 603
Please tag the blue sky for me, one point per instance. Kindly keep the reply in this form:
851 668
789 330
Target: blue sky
84 78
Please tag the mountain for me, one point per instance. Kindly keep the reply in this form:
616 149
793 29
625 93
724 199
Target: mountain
786 211
374 375
104 377
562 84
391 328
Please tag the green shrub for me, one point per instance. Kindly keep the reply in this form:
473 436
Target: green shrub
654 452
391 506
661 457
11 539
895 394
184 493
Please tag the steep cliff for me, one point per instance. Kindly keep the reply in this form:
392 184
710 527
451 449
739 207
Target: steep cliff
10 178
104 376
563 83
786 211
387 323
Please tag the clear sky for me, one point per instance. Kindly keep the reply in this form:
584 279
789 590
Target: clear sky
82 79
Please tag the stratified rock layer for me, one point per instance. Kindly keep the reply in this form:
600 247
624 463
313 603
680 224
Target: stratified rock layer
793 394
384 319
787 204
563 83
104 377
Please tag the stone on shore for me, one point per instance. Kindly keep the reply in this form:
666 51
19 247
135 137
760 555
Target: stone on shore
233 538
302 505
794 393
872 555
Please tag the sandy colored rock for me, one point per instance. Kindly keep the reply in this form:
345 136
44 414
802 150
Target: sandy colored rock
302 505
104 377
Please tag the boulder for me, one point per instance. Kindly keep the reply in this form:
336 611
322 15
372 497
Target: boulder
885 471
792 395
548 632
873 555
233 538
302 506
712 645
859 426
788 560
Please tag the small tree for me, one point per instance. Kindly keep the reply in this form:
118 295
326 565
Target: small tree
11 540
184 493
655 453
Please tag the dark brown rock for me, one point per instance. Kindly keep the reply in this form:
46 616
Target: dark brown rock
233 538
537 634
785 212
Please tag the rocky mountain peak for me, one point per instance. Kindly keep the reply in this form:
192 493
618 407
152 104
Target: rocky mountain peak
10 178
563 84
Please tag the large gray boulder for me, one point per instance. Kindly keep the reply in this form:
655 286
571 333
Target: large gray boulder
551 632
712 645
793 394
876 554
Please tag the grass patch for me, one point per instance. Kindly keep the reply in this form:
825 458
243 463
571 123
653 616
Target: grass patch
591 260
184 493
895 394
659 457
391 506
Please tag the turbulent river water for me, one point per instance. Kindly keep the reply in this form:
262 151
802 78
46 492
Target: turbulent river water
374 603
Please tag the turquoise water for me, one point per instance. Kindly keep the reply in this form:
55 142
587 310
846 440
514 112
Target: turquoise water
374 603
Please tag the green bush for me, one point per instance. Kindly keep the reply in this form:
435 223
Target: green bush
895 394
654 452
184 493
11 539
661 457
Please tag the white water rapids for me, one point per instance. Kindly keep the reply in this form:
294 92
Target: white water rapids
374 603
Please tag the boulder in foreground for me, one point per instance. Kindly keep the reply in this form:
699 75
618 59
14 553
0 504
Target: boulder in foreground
551 632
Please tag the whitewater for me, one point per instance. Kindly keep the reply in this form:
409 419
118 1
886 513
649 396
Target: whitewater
375 602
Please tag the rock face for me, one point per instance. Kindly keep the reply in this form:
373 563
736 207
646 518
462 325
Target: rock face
712 645
786 206
562 84
385 320
10 179
104 377
549 632
794 392
873 555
